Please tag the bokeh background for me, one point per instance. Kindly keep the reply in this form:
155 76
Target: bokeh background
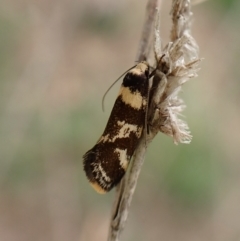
57 58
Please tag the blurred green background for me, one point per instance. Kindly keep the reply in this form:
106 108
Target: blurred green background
57 59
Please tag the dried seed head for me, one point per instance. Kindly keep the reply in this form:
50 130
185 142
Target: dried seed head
179 64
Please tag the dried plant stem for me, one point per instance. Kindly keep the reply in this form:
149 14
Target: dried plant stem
175 64
125 193
125 190
144 46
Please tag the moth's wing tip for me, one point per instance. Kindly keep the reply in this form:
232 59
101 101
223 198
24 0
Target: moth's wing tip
97 187
88 159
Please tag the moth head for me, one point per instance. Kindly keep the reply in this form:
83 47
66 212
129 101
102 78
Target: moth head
140 69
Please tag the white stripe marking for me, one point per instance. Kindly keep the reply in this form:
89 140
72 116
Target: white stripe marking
124 159
124 132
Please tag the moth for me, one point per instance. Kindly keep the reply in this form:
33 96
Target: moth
106 163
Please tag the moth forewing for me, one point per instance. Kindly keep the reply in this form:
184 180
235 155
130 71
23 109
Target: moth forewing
106 163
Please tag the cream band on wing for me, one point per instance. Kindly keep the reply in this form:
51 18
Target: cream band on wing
134 99
124 132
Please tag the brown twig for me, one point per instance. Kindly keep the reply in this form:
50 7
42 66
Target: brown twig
176 63
145 46
124 192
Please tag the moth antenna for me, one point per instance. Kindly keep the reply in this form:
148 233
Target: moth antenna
103 98
146 114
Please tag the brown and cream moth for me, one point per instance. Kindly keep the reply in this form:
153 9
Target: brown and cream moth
106 163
